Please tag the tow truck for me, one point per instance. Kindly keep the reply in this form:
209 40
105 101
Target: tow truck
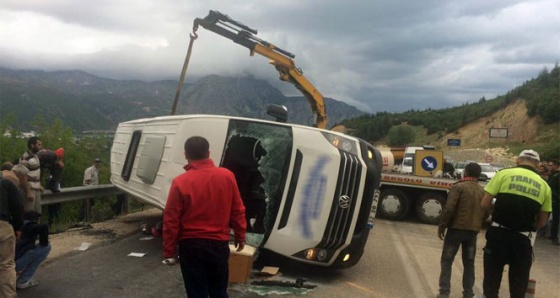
420 192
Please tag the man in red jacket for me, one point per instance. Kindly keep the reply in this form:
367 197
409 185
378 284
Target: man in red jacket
203 204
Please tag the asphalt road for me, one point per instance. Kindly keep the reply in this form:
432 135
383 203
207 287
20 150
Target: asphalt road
401 260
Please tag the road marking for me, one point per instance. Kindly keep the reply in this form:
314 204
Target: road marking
411 274
360 287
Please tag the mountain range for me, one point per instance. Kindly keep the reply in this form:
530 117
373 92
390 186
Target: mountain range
87 102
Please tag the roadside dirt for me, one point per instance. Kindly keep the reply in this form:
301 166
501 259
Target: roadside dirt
514 117
100 233
477 145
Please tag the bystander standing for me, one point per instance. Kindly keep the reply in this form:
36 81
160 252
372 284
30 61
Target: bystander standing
30 160
23 186
91 177
52 161
11 222
543 171
462 217
202 205
522 206
554 183
31 250
8 174
448 168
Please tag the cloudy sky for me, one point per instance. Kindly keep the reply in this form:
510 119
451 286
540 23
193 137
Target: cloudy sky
378 55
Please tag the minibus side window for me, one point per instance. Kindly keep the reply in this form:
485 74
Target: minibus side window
131 155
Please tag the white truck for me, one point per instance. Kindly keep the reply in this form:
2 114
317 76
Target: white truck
318 188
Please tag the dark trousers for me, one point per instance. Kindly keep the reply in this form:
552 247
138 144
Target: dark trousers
119 204
453 240
555 219
504 246
85 211
53 181
54 212
204 265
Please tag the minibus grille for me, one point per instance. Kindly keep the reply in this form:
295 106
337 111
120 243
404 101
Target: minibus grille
344 202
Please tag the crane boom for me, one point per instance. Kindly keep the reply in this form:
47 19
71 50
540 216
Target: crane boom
239 33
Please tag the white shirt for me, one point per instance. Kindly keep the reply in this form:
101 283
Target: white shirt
91 174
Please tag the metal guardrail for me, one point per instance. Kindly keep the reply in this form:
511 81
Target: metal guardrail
86 193
70 194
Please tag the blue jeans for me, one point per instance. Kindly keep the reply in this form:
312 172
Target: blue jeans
204 265
453 240
27 264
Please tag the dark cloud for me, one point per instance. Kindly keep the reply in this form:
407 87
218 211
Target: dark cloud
381 55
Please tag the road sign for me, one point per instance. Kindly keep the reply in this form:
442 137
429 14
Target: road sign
488 158
453 142
498 132
427 162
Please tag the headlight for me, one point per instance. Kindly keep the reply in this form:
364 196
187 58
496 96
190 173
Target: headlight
322 255
342 143
310 254
315 254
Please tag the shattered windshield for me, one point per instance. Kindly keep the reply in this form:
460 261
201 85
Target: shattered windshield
258 154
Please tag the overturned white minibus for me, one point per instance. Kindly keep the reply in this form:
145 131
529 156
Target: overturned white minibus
310 194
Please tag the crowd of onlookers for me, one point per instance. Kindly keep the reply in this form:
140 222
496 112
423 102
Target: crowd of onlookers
549 171
546 169
24 241
520 200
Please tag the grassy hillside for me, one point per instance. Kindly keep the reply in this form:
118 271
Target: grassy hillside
530 112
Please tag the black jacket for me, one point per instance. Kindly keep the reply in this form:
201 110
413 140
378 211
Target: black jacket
554 183
29 233
47 158
11 209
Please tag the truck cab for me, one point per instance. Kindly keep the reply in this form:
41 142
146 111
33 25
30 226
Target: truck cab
406 165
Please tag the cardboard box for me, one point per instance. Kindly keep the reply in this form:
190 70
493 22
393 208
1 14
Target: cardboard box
240 264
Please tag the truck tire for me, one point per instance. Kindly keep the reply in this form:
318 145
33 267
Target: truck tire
429 207
393 204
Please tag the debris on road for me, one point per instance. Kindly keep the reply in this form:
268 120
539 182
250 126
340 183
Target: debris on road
84 246
280 287
136 254
299 283
267 271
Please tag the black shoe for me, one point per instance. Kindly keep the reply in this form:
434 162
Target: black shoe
555 241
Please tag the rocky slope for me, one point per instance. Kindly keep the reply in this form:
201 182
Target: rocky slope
475 139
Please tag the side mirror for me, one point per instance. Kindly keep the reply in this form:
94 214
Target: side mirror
278 112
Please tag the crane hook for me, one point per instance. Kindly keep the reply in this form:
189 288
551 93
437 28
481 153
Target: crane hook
193 36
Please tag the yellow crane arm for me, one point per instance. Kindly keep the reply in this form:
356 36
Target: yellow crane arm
282 60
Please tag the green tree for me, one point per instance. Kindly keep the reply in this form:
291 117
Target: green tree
11 147
401 135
